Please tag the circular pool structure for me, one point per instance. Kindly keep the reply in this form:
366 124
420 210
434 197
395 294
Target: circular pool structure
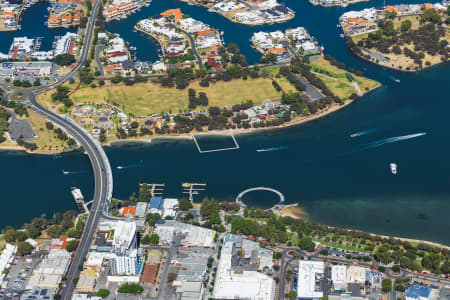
259 188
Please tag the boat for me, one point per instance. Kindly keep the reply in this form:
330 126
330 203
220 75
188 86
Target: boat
397 80
352 135
65 172
186 185
119 167
77 195
393 167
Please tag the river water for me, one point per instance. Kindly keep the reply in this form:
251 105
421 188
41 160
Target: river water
337 179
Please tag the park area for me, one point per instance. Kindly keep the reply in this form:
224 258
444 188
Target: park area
336 79
144 99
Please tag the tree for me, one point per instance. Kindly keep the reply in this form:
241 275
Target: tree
171 277
144 193
64 59
405 26
24 248
102 293
306 243
184 204
396 268
209 207
72 245
146 240
386 285
292 295
400 288
152 218
154 239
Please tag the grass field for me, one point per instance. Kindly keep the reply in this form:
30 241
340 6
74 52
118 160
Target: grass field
337 81
46 142
148 98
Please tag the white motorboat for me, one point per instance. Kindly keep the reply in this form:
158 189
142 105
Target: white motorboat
393 168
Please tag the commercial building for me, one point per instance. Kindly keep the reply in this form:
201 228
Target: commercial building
235 281
339 278
124 241
35 68
194 236
356 274
310 274
49 273
420 292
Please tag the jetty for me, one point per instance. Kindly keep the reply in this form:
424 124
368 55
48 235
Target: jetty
156 189
192 189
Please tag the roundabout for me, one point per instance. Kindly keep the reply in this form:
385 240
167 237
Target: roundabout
260 188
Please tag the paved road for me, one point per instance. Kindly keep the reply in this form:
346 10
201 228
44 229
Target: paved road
193 47
312 92
99 161
98 49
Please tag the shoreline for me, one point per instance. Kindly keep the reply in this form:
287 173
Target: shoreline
296 212
239 131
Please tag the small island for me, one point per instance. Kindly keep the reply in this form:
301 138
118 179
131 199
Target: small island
403 37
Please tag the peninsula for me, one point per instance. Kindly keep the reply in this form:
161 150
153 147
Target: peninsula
249 12
403 37
331 3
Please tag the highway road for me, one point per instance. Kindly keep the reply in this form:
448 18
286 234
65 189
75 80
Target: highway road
99 161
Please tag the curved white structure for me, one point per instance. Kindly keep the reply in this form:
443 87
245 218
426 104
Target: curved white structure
260 188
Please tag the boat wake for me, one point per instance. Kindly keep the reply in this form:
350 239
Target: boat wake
364 132
390 141
141 164
271 149
65 172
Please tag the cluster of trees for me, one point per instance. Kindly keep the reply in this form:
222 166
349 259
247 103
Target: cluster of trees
201 100
229 206
188 56
152 218
55 227
61 135
184 204
274 230
209 210
298 66
258 213
128 80
268 58
26 83
145 194
62 95
27 145
19 108
4 117
292 78
428 38
151 239
64 59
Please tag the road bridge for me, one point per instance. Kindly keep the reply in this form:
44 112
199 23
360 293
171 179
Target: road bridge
260 188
